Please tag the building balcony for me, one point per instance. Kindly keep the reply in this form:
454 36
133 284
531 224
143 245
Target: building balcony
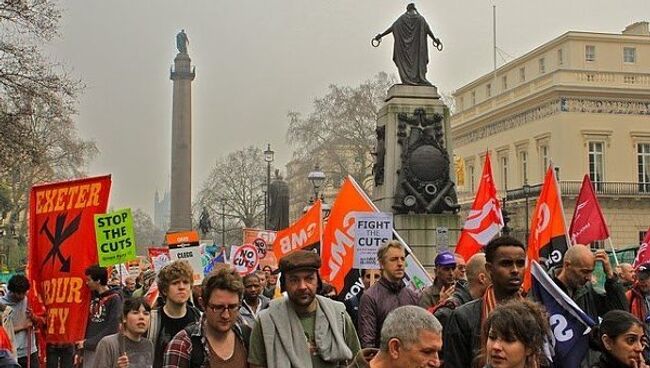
571 188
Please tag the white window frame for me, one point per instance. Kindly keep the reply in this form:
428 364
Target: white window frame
590 53
560 57
523 166
597 176
488 90
522 74
504 82
542 65
643 166
629 58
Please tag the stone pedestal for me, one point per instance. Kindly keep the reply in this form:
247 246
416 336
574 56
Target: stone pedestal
419 232
182 76
404 99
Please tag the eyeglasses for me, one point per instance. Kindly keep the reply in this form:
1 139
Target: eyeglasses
220 308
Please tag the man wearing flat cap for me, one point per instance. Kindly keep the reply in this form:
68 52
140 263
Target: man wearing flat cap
302 329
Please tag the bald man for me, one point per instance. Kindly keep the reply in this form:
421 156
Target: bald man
574 278
625 273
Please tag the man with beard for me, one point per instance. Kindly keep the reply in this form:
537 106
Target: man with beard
216 340
443 283
253 301
329 340
128 348
386 294
505 259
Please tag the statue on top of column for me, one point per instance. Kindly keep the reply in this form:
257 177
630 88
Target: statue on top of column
182 41
410 52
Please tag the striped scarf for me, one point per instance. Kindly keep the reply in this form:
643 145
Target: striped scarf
490 302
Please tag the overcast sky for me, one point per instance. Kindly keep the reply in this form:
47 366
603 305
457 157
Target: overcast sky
258 59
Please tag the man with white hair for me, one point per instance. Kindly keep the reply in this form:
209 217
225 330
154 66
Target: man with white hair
410 337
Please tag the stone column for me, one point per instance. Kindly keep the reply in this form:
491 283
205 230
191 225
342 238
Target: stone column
182 76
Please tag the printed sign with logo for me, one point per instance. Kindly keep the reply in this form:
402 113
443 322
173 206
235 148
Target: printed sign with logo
245 259
263 241
184 246
442 238
115 237
371 229
159 257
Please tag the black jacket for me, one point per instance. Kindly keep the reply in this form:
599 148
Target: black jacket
352 307
608 361
462 335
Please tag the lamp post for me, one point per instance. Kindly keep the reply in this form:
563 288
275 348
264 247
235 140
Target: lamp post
316 178
268 157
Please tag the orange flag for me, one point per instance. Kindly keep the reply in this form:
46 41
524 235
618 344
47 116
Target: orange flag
337 251
548 237
484 220
305 233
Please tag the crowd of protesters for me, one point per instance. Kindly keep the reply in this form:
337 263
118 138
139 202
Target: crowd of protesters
474 314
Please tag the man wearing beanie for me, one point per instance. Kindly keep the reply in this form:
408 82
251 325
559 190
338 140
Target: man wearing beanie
443 284
330 339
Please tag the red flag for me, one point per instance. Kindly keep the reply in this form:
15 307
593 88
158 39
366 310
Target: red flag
484 220
305 233
338 238
643 256
548 230
588 223
62 244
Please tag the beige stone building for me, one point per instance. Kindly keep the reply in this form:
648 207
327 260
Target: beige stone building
582 101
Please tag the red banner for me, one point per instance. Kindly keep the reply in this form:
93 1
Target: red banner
305 233
643 255
337 251
548 237
484 220
62 245
588 223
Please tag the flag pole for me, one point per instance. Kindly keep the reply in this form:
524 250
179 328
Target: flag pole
609 240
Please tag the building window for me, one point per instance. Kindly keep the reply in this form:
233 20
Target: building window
542 66
598 244
590 53
504 82
470 171
596 164
544 160
461 102
523 166
488 90
643 161
629 55
504 172
522 74
560 57
473 98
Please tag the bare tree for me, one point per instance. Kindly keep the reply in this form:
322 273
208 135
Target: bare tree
235 186
146 233
38 139
340 131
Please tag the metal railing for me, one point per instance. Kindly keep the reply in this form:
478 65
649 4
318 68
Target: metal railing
572 187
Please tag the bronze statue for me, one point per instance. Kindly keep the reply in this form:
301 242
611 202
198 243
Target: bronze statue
182 41
278 203
410 52
205 225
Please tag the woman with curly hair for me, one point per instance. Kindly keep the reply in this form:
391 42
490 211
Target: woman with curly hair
513 336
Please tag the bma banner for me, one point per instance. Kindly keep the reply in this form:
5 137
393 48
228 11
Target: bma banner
184 246
115 237
371 230
62 244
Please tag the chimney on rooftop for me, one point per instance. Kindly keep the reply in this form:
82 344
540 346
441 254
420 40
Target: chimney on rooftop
637 29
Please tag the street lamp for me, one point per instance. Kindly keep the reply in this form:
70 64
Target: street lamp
268 157
526 194
316 178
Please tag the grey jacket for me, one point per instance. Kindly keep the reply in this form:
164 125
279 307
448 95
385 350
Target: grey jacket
246 313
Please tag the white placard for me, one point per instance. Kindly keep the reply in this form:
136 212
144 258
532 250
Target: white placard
371 230
191 254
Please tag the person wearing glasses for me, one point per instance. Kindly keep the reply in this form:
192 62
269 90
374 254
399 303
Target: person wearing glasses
217 340
330 339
